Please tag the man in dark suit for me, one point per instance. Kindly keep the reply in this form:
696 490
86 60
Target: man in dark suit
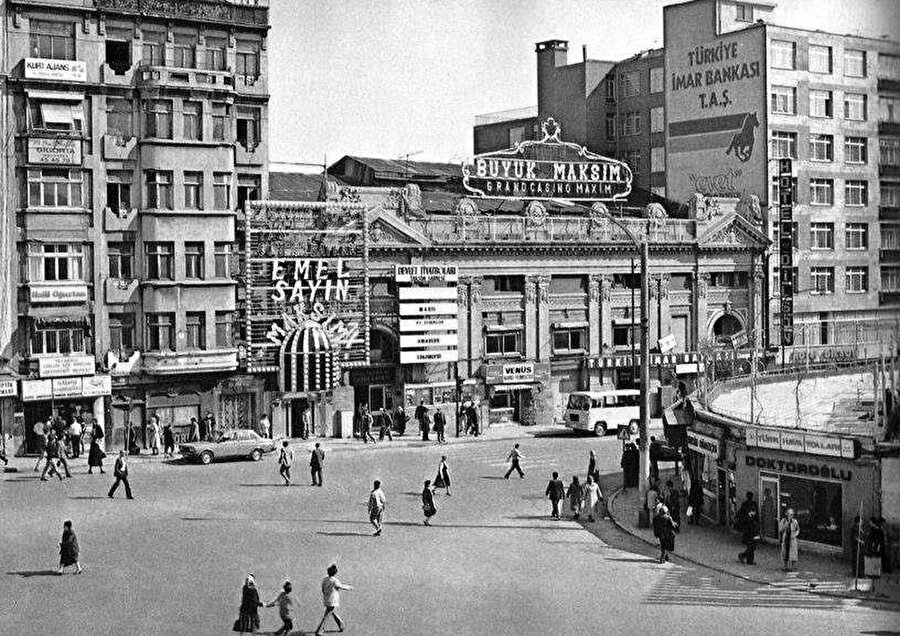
120 471
316 464
422 419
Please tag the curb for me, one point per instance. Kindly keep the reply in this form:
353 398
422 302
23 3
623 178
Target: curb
738 575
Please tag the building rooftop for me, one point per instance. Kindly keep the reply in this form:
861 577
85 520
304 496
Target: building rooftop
512 114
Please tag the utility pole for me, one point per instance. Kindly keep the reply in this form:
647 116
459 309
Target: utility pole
644 426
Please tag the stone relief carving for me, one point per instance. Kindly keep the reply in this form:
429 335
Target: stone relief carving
476 289
530 284
664 286
412 199
594 288
465 213
702 285
606 288
598 221
543 283
536 215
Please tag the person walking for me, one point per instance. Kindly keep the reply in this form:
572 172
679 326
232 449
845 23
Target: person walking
40 430
515 456
195 431
443 475
168 440
593 471
749 536
61 455
377 502
331 597
400 419
285 459
591 497
68 549
575 494
154 434
673 503
664 531
428 507
464 420
265 426
74 432
875 548
384 425
440 424
95 455
317 464
212 430
120 472
473 419
789 535
421 416
248 613
695 502
556 492
365 426
287 605
52 453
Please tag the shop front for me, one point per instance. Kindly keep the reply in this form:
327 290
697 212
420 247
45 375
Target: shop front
818 476
65 398
706 460
9 391
511 391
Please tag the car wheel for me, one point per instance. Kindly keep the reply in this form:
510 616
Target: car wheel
256 455
600 429
206 458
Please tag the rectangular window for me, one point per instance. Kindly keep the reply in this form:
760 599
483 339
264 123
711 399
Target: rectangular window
50 116
248 189
784 100
856 280
631 124
158 118
657 119
657 159
795 234
184 52
890 108
224 329
744 12
160 263
889 151
193 260
610 87
52 40
121 333
631 84
857 236
890 237
633 159
153 50
610 126
215 53
222 256
855 107
657 79
503 343
504 285
821 148
159 190
821 191
247 59
193 120
856 193
854 63
118 190
624 335
193 190
793 189
784 54
776 280
55 261
784 145
57 340
220 122
821 236
734 280
569 340
121 260
821 280
515 136
890 194
820 59
118 49
564 284
890 278
54 188
161 332
119 120
856 150
195 330
248 127
821 104
221 191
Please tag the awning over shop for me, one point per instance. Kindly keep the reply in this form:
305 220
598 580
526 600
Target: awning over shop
41 316
307 360
501 388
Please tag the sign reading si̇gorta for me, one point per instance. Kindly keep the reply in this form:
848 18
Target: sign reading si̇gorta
547 169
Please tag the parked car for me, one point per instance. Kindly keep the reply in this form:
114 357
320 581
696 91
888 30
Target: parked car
232 443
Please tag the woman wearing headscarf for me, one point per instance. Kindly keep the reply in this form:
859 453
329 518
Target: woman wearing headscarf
428 507
592 497
95 453
664 530
248 615
68 549
574 494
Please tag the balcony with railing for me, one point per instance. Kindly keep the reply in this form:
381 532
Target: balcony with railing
252 13
152 75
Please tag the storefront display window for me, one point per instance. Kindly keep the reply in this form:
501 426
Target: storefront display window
817 506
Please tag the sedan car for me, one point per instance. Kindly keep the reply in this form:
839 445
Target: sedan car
234 442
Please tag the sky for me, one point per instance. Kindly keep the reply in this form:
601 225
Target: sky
391 78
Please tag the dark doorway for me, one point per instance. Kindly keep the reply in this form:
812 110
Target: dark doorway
297 407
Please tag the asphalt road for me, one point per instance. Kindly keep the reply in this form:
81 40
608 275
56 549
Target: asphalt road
172 561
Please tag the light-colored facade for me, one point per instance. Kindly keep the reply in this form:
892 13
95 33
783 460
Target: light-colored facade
139 130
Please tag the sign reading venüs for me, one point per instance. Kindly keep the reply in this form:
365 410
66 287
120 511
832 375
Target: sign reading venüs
547 169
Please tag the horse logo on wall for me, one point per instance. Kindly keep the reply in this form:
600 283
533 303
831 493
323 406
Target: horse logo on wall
742 141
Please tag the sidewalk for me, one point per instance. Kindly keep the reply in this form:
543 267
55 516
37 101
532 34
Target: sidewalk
716 548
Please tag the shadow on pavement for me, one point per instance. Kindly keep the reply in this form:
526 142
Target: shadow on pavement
546 434
412 524
89 497
29 573
491 477
345 534
274 485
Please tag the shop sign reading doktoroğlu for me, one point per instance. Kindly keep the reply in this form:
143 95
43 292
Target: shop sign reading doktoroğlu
547 169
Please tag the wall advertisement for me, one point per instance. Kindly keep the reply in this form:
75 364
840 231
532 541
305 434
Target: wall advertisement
428 313
716 112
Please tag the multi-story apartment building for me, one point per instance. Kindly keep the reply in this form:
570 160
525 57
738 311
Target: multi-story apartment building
136 131
737 93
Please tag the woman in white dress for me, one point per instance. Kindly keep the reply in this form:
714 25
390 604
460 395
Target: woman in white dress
592 497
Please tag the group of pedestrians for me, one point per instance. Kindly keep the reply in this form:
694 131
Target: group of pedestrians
288 607
584 498
316 463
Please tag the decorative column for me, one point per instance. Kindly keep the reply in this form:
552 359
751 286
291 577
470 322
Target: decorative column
595 333
698 325
665 316
544 331
755 323
653 309
463 310
606 322
531 327
476 328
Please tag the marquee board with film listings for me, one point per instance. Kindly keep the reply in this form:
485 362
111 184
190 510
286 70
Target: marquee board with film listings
307 291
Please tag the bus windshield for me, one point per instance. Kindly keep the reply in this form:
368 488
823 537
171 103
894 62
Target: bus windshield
579 402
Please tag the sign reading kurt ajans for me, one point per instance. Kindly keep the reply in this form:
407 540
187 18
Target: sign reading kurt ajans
547 169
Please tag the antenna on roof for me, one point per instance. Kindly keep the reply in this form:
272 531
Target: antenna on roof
407 156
